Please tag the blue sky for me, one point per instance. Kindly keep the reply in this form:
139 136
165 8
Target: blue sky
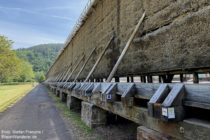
33 22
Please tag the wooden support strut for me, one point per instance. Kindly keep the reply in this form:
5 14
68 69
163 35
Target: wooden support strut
63 75
84 64
58 76
125 49
75 68
99 59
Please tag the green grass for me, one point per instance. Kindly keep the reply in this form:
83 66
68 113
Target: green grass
73 117
10 94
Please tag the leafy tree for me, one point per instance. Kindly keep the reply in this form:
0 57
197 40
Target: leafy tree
9 62
13 68
27 74
39 76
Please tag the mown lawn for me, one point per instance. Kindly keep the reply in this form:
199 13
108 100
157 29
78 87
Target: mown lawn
10 94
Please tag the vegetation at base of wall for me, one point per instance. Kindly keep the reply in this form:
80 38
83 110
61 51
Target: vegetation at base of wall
10 94
74 117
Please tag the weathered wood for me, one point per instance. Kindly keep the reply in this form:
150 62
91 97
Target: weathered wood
144 133
99 59
139 115
75 79
172 107
117 79
125 49
128 79
197 104
149 79
66 74
160 94
175 96
195 78
167 78
58 76
143 79
197 93
76 66
154 105
181 78
63 73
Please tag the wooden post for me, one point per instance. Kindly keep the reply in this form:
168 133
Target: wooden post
181 78
132 80
128 79
125 49
167 78
195 78
159 78
67 72
99 59
143 79
149 79
117 79
84 64
75 68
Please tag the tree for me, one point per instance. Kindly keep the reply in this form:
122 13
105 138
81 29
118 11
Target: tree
9 62
39 76
13 68
26 74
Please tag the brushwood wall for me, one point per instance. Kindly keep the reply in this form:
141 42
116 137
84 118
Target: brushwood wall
175 36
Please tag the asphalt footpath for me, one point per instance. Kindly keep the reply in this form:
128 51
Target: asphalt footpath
33 117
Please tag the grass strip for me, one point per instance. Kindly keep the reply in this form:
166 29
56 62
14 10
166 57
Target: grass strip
73 117
10 94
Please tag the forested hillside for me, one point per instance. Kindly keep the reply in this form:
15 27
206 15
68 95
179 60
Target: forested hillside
40 56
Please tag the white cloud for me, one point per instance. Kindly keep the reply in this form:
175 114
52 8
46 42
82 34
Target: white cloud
26 37
35 12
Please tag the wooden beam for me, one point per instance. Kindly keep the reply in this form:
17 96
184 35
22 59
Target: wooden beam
66 74
99 59
75 68
117 79
84 65
195 78
149 79
181 78
125 49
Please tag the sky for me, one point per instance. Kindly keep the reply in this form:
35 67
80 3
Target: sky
32 22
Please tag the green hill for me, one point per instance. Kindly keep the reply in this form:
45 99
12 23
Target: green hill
40 56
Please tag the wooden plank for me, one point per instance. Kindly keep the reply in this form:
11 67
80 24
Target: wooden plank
125 49
145 90
197 93
99 59
195 78
175 96
197 104
154 105
160 94
84 64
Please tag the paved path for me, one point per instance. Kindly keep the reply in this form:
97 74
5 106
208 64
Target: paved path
35 115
